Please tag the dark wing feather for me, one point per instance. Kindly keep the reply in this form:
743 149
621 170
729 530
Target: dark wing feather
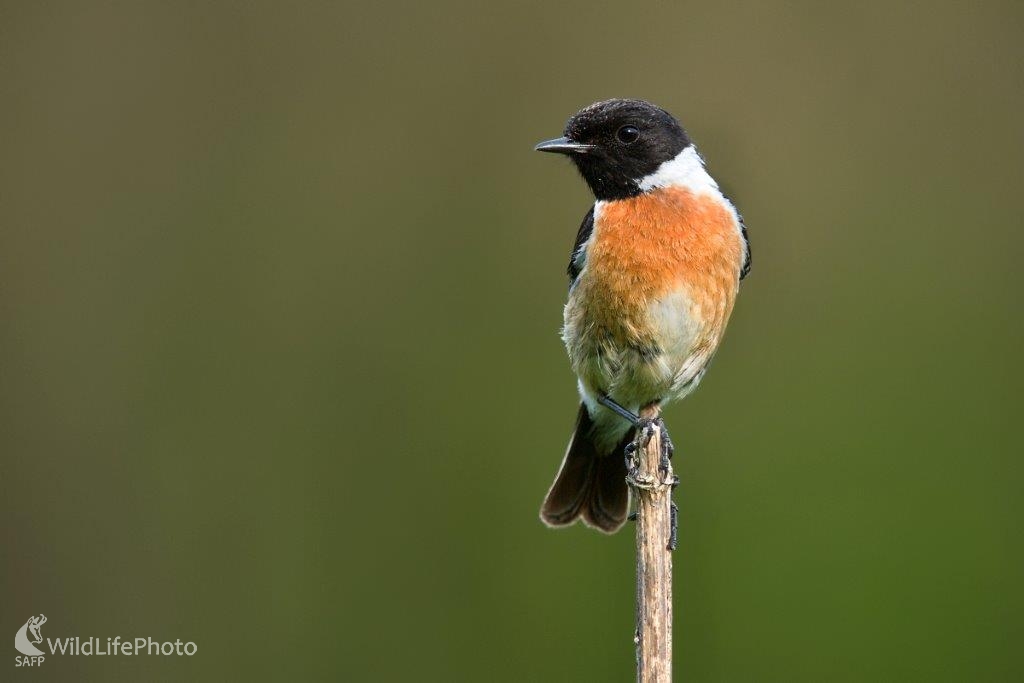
745 268
746 246
576 259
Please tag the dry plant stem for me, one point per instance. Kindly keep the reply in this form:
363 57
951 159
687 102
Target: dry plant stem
652 488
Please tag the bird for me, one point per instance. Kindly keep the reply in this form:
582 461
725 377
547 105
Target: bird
653 278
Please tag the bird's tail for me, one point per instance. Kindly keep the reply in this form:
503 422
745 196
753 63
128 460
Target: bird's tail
589 484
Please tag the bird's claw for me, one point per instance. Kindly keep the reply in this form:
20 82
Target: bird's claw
673 529
630 452
647 427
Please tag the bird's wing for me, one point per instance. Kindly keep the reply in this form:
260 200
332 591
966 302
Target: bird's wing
746 247
745 266
578 256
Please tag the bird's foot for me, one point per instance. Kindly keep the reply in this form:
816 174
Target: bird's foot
627 415
629 452
647 427
673 528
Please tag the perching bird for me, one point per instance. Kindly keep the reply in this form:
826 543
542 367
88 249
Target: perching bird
653 276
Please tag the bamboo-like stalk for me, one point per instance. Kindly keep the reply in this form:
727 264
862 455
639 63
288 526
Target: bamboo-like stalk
652 488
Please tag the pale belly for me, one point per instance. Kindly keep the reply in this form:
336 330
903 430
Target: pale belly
650 305
650 354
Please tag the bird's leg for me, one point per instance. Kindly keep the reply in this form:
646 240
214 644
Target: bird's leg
668 448
611 405
673 512
651 418
650 413
673 530
630 452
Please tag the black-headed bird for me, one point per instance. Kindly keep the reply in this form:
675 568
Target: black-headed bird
653 276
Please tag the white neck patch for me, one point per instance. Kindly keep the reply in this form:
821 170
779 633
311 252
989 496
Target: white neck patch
686 171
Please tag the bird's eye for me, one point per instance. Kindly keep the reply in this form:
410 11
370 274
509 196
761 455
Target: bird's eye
627 135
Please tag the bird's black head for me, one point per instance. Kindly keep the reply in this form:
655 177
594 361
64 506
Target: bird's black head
616 143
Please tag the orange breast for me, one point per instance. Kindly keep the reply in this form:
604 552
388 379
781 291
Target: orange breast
648 246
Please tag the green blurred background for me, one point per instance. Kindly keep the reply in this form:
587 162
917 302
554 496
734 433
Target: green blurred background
280 291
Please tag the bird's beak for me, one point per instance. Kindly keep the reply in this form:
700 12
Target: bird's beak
563 145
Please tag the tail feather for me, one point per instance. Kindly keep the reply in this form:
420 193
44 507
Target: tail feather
589 484
608 504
